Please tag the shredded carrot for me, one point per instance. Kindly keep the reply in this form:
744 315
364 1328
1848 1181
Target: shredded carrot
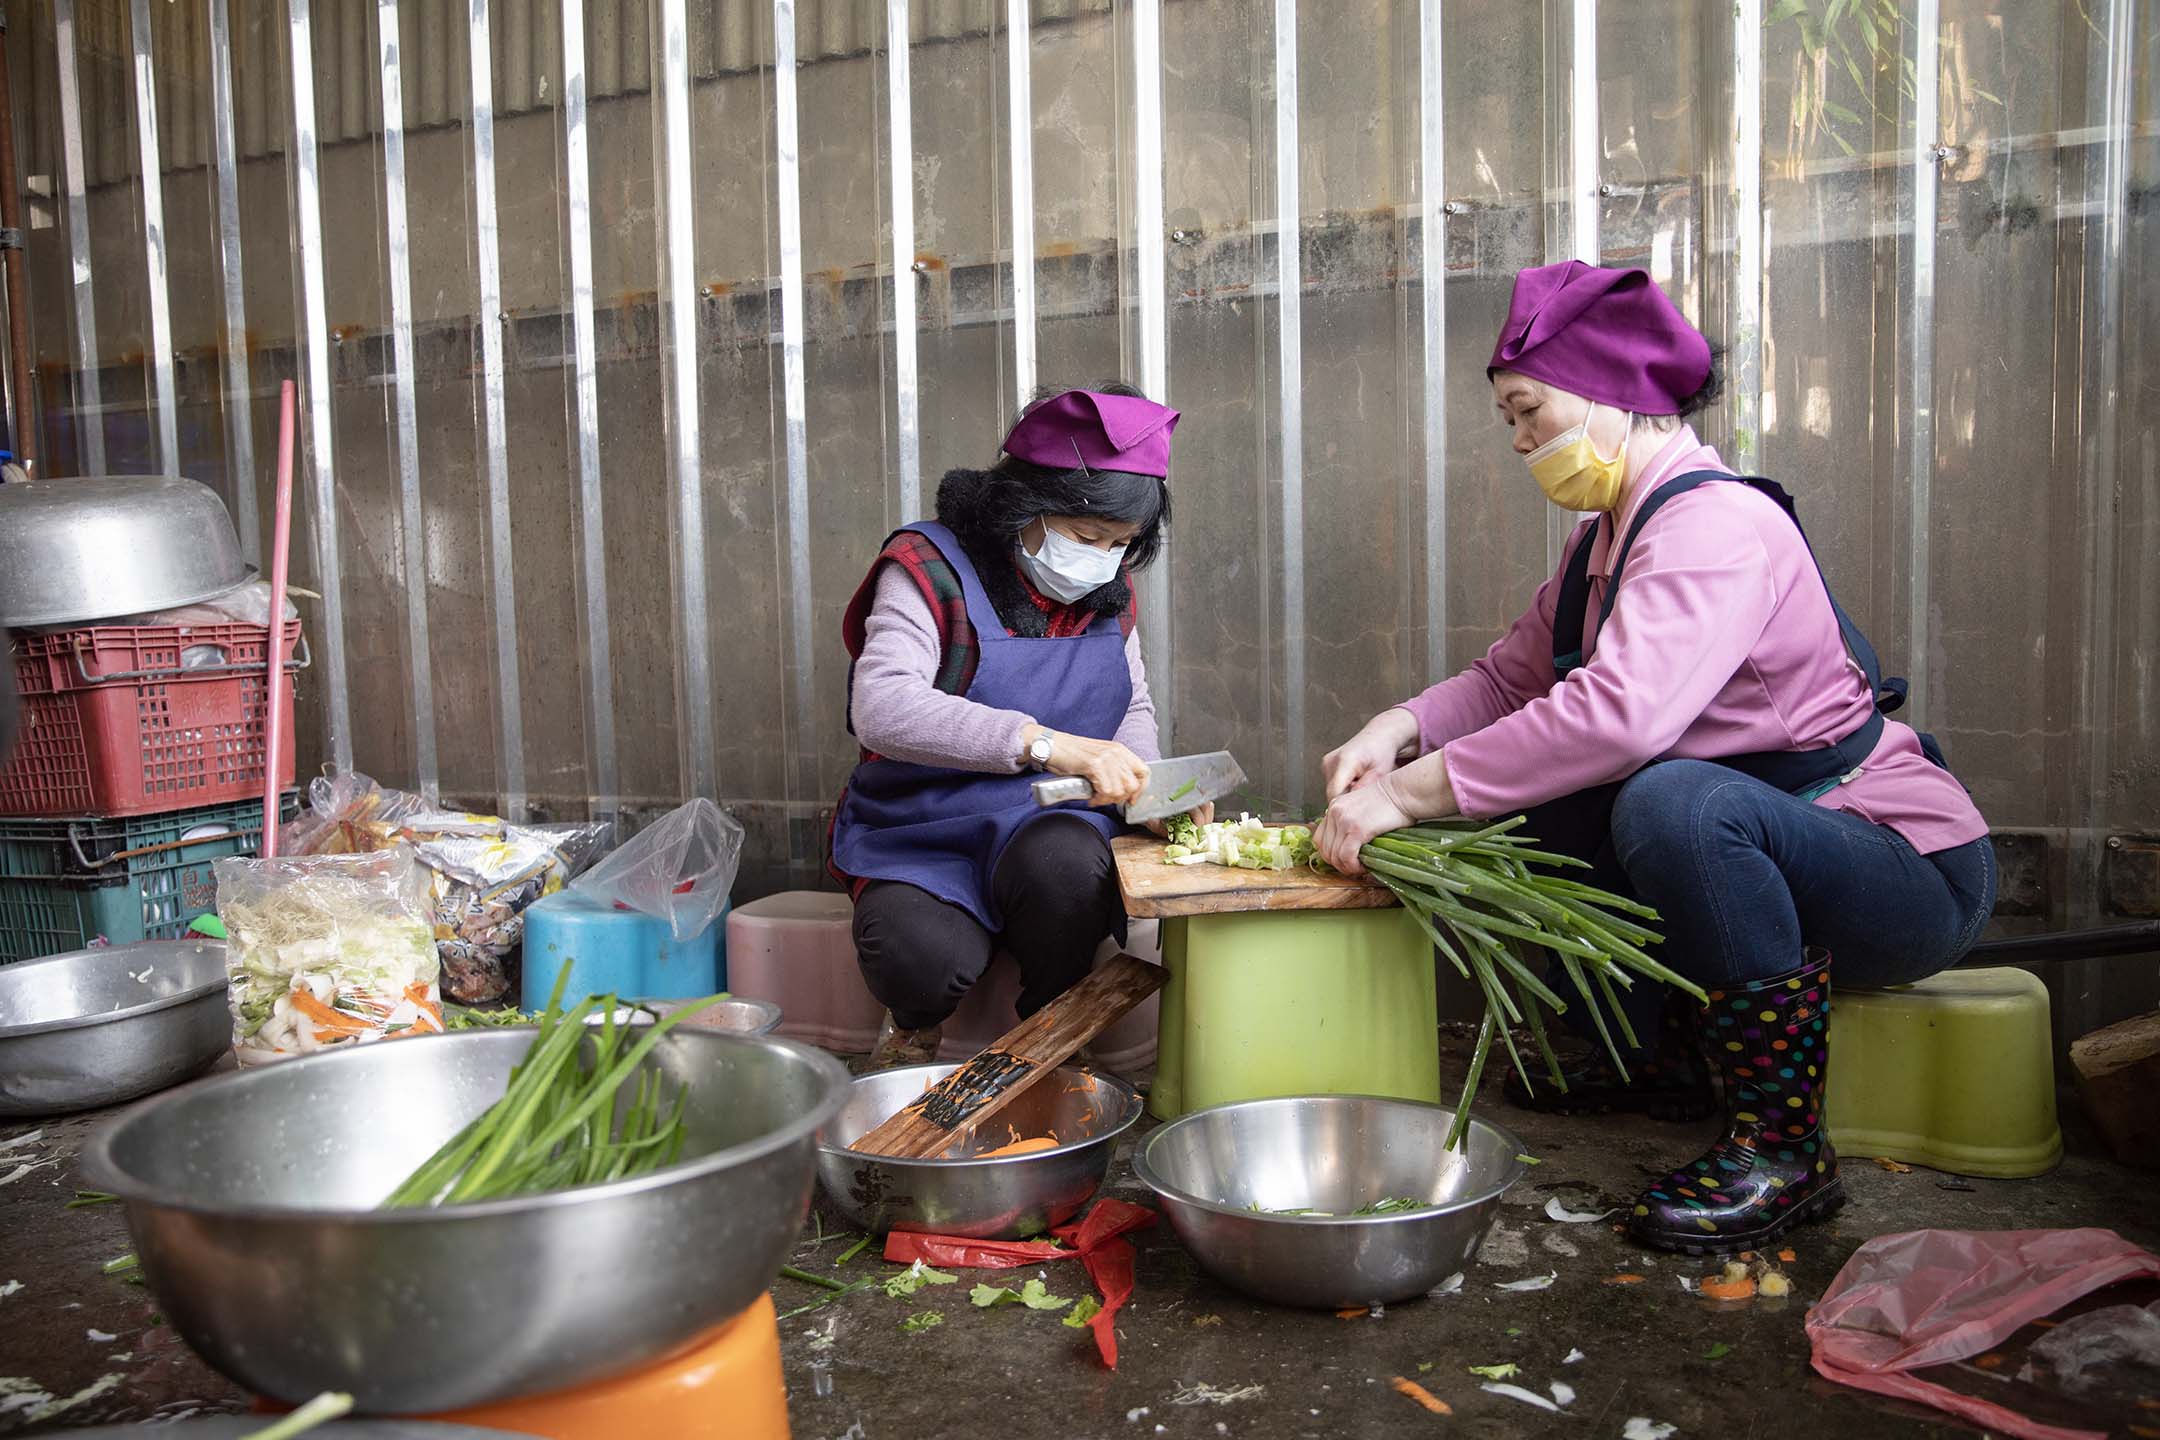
305 1002
1741 1289
2045 1324
1787 1256
1352 1312
1623 1280
1747 1254
1420 1394
1989 1362
2148 1404
1022 1147
1892 1166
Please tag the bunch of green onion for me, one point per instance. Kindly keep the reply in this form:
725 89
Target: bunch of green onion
1475 883
562 1122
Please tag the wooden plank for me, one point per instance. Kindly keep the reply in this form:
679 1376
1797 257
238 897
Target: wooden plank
950 1110
1155 891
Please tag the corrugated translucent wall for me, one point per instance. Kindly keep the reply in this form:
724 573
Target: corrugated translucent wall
606 407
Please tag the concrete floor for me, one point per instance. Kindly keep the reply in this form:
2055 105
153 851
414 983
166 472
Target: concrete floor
1197 1360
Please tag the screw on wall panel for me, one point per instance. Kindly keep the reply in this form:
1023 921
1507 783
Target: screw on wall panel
1605 188
1449 207
1182 236
1943 154
2115 842
920 268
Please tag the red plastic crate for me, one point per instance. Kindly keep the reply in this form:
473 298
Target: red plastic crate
112 724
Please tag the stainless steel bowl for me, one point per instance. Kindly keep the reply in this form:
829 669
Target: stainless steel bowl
92 547
1001 1198
252 1201
1219 1171
96 1027
731 1016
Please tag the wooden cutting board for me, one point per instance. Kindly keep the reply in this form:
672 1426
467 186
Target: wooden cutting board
1155 891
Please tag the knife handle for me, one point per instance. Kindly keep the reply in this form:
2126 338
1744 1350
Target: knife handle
1062 790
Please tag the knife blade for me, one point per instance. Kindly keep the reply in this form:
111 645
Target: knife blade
1173 786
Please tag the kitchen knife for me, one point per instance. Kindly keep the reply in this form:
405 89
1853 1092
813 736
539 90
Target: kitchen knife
1173 786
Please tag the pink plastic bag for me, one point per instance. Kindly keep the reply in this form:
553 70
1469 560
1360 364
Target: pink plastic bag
1928 1297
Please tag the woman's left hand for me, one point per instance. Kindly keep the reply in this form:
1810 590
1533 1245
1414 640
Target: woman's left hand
1203 815
1355 817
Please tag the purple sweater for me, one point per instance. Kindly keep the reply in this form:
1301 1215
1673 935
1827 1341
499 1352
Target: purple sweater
900 713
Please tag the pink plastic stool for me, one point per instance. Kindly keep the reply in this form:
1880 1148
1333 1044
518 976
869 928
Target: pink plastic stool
990 1010
797 949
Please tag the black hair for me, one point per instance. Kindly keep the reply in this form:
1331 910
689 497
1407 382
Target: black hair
1712 389
987 509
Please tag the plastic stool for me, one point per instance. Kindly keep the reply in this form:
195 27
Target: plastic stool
1955 1072
992 1008
725 1386
1296 1002
797 949
623 952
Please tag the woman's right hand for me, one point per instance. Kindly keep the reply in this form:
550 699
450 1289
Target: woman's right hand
1115 774
1374 751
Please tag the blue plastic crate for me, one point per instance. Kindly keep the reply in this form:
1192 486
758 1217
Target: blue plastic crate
65 883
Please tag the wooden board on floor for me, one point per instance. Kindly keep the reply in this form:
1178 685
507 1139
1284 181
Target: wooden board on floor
1155 891
949 1110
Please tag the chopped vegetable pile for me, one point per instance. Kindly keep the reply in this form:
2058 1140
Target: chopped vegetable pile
1243 844
1388 1205
560 1123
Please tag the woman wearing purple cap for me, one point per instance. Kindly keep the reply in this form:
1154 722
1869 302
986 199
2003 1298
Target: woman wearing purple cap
990 644
1709 734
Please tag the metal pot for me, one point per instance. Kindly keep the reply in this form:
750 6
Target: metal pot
98 1027
1219 1173
95 547
1002 1198
252 1199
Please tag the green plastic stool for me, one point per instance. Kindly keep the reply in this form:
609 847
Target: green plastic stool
1295 1002
1955 1072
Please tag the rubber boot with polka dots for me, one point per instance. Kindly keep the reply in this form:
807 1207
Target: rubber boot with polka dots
1773 1168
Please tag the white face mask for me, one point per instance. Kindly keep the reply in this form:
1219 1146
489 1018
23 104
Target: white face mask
1066 570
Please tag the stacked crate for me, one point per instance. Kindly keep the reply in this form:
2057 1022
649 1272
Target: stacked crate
139 761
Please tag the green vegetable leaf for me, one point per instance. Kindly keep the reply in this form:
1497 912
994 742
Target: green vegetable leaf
1529 1159
1036 1296
1718 1351
852 1251
1424 1367
121 1265
90 1197
1183 790
1496 1372
923 1320
984 1297
1514 1329
1088 1308
912 1279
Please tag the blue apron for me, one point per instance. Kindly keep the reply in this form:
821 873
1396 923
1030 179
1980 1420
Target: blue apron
942 830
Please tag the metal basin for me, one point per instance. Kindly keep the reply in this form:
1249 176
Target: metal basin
731 1016
92 547
81 1030
1332 1153
251 1198
1002 1198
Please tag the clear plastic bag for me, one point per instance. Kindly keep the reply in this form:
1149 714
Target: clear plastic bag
678 869
2084 1352
349 814
324 951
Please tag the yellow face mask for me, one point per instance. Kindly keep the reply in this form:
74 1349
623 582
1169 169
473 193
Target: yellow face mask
1571 472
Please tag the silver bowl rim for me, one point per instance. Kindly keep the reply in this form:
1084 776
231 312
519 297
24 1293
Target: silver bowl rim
108 1017
97 1162
1150 1177
249 575
1130 1108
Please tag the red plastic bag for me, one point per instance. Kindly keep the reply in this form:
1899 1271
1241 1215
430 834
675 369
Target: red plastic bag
1928 1297
1097 1241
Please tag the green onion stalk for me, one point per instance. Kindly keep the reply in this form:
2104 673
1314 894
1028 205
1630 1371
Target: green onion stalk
1480 891
582 1108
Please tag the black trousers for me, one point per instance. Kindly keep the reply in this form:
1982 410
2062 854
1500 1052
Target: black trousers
1055 885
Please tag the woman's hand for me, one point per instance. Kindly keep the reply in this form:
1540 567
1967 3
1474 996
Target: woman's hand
1202 815
1371 753
1116 775
1352 819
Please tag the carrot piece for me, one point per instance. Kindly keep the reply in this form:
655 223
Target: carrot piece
1623 1280
1787 1256
305 1002
1352 1312
1424 1397
1742 1289
1990 1362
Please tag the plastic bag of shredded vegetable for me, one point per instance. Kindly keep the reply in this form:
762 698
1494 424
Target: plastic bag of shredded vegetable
327 950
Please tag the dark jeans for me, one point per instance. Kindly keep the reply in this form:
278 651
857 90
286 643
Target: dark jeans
1055 885
1745 875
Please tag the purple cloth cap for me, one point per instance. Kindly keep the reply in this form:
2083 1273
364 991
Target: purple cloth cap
1607 334
1081 428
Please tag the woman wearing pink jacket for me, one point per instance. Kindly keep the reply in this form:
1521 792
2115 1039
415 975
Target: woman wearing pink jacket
1685 706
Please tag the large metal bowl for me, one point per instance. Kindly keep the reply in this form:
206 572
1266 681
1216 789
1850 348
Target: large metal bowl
1001 1198
91 547
252 1201
97 1027
1219 1171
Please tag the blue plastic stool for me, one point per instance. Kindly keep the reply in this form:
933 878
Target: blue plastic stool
620 952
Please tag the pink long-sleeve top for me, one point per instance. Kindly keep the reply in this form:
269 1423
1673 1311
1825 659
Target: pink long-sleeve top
900 713
1722 642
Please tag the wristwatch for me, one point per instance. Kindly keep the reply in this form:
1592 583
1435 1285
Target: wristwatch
1039 749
